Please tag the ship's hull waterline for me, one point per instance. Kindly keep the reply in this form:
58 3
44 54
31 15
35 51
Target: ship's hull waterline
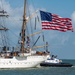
22 62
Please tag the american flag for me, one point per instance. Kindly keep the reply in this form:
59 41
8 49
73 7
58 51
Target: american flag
55 22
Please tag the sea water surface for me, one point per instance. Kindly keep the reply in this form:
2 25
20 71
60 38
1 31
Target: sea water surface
42 70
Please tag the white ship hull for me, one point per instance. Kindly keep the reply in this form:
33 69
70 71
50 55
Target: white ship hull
21 62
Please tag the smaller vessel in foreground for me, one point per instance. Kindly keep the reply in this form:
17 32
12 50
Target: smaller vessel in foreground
54 62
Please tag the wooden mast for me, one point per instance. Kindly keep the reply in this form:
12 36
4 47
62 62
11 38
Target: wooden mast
3 29
23 28
2 14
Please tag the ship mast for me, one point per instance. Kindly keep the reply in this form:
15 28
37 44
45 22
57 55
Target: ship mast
2 14
3 29
23 29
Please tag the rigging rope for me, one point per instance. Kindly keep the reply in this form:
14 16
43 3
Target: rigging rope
2 25
31 27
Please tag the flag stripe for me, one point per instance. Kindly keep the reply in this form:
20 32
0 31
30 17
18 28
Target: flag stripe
54 22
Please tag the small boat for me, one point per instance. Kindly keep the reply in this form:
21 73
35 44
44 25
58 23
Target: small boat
54 62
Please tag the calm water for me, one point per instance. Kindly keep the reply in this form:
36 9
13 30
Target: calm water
42 70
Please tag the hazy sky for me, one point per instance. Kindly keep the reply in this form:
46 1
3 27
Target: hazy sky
60 43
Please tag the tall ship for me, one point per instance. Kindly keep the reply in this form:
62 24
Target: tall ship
26 56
